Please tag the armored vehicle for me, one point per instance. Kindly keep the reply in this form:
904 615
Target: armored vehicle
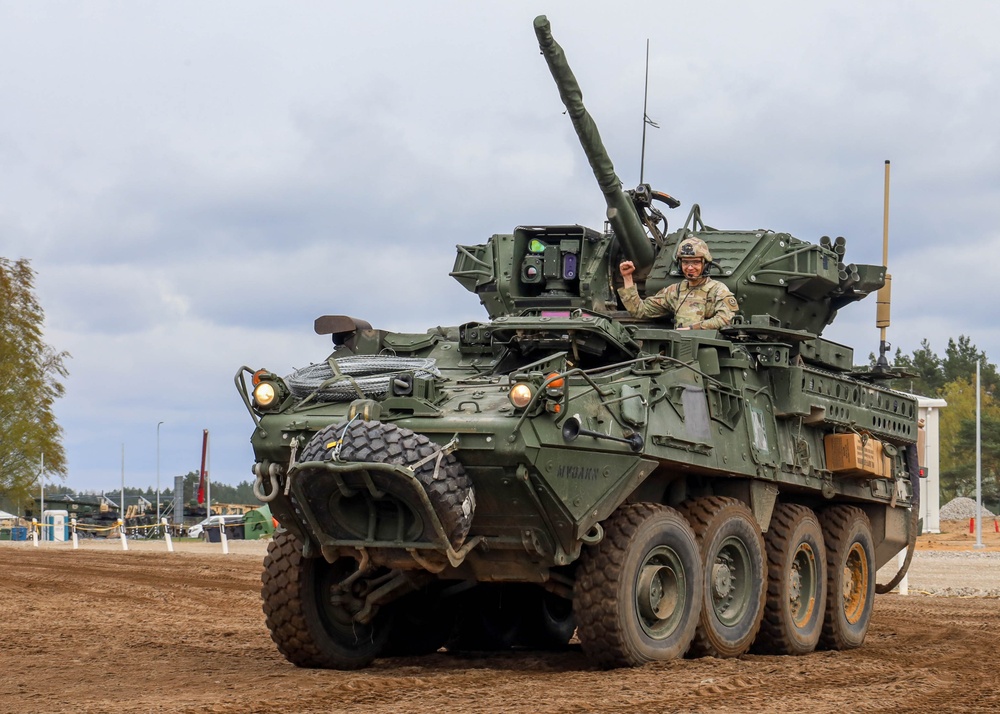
563 468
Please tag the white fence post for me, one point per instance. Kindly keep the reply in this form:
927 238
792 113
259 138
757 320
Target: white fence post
222 537
121 530
34 531
76 541
166 534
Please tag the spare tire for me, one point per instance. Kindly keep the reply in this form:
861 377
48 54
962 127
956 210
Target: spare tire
448 487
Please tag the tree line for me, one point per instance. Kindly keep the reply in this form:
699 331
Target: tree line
221 492
952 377
32 374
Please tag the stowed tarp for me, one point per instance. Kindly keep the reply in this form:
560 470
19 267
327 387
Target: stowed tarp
4 516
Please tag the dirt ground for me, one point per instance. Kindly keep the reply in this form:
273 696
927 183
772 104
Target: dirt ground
955 536
99 630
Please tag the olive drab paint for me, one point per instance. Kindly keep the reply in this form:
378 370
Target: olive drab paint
559 419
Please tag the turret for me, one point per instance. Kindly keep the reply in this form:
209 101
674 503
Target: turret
780 282
799 285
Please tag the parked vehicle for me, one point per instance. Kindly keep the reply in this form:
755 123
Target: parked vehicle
200 530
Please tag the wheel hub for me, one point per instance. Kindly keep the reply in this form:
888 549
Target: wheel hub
722 579
659 593
731 576
795 584
344 603
802 579
855 585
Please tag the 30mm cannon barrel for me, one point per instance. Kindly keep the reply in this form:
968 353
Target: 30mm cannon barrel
622 214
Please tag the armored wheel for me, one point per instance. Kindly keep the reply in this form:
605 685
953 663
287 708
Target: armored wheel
638 592
497 616
549 620
796 582
448 487
310 620
491 617
850 563
422 622
733 578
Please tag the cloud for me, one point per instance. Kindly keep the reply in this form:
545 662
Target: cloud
195 183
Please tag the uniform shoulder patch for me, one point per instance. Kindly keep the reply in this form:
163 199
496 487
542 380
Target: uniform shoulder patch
731 302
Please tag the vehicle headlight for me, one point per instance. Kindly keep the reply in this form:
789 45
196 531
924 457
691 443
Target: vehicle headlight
264 395
520 395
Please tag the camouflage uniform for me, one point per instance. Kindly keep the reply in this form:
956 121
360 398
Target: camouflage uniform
707 306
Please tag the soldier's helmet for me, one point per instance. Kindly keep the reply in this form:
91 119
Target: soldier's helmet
694 248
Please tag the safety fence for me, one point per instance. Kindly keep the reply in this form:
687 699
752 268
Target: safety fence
124 533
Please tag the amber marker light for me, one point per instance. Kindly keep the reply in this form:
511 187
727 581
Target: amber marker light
520 395
257 376
557 381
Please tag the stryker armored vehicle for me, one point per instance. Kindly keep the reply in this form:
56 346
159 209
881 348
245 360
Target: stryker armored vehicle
563 468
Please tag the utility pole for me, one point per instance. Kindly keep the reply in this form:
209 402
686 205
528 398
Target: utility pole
979 466
208 476
158 425
121 507
41 493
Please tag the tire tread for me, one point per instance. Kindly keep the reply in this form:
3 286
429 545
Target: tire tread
774 637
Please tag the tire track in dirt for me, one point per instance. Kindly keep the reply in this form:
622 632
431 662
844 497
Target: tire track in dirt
89 631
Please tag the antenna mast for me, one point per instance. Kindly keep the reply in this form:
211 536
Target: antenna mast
885 292
645 119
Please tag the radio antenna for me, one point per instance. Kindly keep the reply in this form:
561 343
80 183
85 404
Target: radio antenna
645 120
884 294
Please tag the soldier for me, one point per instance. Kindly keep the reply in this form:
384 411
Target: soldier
697 302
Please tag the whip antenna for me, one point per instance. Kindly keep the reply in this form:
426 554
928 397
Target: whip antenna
645 119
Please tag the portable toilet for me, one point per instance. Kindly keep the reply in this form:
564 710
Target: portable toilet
258 523
56 526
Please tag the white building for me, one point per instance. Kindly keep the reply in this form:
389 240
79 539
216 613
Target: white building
930 492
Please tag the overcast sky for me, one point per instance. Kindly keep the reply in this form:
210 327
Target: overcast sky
195 182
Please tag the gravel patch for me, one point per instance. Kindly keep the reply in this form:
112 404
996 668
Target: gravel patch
951 574
962 509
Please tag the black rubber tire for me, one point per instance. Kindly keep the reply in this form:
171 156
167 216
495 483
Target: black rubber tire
309 630
549 620
733 572
422 622
850 565
451 493
491 617
638 591
498 616
796 582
